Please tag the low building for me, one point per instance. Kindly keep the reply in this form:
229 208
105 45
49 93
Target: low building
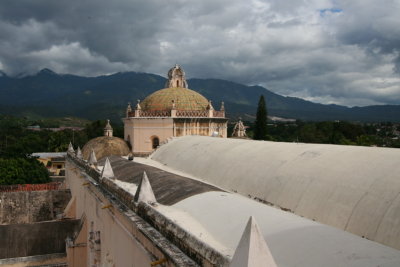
54 161
32 229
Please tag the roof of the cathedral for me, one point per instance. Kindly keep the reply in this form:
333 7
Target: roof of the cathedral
184 99
352 188
212 218
105 146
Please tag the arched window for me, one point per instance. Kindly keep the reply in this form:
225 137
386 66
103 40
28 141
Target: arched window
155 142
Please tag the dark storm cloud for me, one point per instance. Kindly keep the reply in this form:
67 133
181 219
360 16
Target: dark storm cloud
328 51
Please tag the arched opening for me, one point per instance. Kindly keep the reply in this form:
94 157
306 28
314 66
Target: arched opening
177 83
155 141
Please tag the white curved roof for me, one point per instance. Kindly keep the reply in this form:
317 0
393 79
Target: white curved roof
219 218
353 188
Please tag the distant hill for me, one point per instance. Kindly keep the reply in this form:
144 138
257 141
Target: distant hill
49 94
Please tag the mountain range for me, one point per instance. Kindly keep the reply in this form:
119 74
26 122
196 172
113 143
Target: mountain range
48 94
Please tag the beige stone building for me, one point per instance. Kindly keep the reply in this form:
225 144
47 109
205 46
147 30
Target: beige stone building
171 112
309 212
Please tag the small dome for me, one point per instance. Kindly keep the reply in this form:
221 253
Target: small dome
185 99
104 146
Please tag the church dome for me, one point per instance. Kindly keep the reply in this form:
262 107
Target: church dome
184 99
104 146
176 93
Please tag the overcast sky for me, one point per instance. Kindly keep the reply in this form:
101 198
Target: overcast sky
327 51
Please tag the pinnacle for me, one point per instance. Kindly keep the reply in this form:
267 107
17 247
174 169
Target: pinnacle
79 153
107 170
70 148
252 249
144 192
92 158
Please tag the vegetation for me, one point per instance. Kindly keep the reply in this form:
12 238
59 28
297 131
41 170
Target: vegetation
22 171
17 143
260 125
338 132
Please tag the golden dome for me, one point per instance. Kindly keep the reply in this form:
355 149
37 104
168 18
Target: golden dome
184 99
104 146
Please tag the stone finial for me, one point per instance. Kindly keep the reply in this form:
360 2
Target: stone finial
128 109
145 193
173 109
79 153
138 107
108 130
92 158
252 250
70 148
210 106
107 171
222 106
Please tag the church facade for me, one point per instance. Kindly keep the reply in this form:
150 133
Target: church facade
171 112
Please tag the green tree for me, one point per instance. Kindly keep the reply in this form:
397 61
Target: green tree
95 129
22 171
260 127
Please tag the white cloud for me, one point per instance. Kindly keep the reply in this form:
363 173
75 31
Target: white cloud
69 58
330 51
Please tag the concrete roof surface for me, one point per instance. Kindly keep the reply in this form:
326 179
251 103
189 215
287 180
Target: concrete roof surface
352 188
292 240
219 219
168 188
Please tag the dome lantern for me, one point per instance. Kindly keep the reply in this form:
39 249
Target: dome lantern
108 130
176 78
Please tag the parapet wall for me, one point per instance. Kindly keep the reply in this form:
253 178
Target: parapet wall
22 240
32 206
48 260
146 217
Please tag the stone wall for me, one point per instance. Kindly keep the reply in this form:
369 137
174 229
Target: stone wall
21 240
48 260
32 206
